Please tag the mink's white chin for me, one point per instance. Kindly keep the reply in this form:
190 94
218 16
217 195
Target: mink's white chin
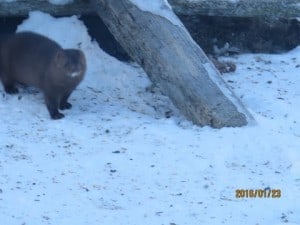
74 74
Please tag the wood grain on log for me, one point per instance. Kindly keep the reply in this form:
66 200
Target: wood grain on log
175 62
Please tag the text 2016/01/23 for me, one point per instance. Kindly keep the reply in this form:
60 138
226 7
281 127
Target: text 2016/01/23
258 193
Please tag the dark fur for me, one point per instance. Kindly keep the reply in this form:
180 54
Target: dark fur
35 60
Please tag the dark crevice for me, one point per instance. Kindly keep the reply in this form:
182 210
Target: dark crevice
99 32
248 35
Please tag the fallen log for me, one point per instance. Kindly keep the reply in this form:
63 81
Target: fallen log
241 8
172 60
23 7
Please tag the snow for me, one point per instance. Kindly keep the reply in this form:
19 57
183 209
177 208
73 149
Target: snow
116 159
159 7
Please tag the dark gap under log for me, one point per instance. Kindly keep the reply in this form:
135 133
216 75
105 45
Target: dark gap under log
98 31
249 35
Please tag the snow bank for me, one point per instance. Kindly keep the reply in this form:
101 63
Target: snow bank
49 26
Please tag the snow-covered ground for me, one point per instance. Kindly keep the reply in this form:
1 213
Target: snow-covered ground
116 159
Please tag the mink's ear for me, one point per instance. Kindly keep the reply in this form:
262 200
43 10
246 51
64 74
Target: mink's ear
60 58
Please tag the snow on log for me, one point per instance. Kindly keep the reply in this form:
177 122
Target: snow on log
172 60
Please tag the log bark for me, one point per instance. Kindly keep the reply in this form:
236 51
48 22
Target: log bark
23 7
241 8
175 62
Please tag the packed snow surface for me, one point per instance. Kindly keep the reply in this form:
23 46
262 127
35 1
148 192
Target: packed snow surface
117 159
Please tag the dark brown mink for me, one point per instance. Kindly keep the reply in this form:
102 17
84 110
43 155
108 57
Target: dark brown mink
35 60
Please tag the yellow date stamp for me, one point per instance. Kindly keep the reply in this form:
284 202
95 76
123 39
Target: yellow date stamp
258 193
